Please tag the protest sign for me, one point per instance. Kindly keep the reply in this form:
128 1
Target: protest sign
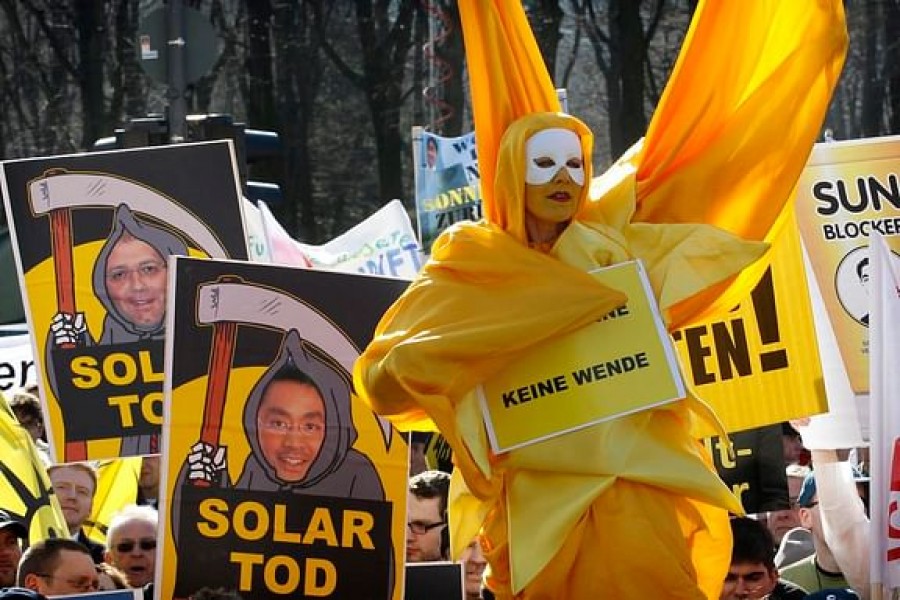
277 481
618 365
759 364
754 468
848 191
447 183
24 486
382 244
117 487
16 359
256 233
435 581
108 595
91 234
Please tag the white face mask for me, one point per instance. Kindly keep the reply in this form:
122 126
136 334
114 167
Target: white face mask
547 151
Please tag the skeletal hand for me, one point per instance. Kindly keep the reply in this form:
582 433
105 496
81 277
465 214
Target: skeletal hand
67 328
206 462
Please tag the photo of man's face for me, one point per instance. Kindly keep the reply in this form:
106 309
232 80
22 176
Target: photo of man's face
136 282
291 428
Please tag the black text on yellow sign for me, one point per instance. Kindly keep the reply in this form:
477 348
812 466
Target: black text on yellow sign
580 377
838 197
281 545
109 391
721 350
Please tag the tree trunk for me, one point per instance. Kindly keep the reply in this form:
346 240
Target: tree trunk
90 23
297 82
545 18
627 55
258 88
387 46
873 85
892 62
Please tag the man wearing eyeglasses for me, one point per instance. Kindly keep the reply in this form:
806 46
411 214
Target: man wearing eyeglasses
58 566
299 424
130 280
427 537
131 543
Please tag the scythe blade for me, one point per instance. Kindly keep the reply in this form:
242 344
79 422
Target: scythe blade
263 307
64 190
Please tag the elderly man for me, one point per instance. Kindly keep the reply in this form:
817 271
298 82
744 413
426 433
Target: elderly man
58 566
75 485
11 534
131 543
426 509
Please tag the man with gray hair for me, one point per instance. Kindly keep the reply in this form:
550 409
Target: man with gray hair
131 543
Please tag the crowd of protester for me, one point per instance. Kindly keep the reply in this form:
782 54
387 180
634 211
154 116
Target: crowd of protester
818 545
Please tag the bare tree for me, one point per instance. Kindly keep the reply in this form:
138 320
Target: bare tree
385 35
298 75
545 17
620 41
892 63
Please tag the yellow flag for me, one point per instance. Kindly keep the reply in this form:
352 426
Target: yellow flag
117 486
25 490
733 129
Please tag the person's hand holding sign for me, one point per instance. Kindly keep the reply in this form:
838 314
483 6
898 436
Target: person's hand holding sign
206 463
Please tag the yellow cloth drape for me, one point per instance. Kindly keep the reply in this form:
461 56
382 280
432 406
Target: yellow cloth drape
117 487
24 485
629 508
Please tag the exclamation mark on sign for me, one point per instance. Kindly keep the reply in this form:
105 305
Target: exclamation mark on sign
767 320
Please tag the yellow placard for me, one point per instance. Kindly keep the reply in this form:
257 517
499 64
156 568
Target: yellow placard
618 365
759 363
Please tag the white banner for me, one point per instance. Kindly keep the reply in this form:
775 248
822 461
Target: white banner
841 426
16 361
383 244
256 233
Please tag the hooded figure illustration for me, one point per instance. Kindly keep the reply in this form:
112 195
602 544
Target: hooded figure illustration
300 428
301 433
299 424
129 279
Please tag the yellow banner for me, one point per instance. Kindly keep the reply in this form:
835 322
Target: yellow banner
117 487
848 190
24 486
760 363
618 365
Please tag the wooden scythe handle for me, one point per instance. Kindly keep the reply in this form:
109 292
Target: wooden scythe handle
224 335
61 240
64 267
219 372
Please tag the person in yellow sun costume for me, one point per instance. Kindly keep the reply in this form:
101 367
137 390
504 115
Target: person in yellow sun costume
629 508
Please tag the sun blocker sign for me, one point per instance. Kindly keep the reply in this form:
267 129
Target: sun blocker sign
617 365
